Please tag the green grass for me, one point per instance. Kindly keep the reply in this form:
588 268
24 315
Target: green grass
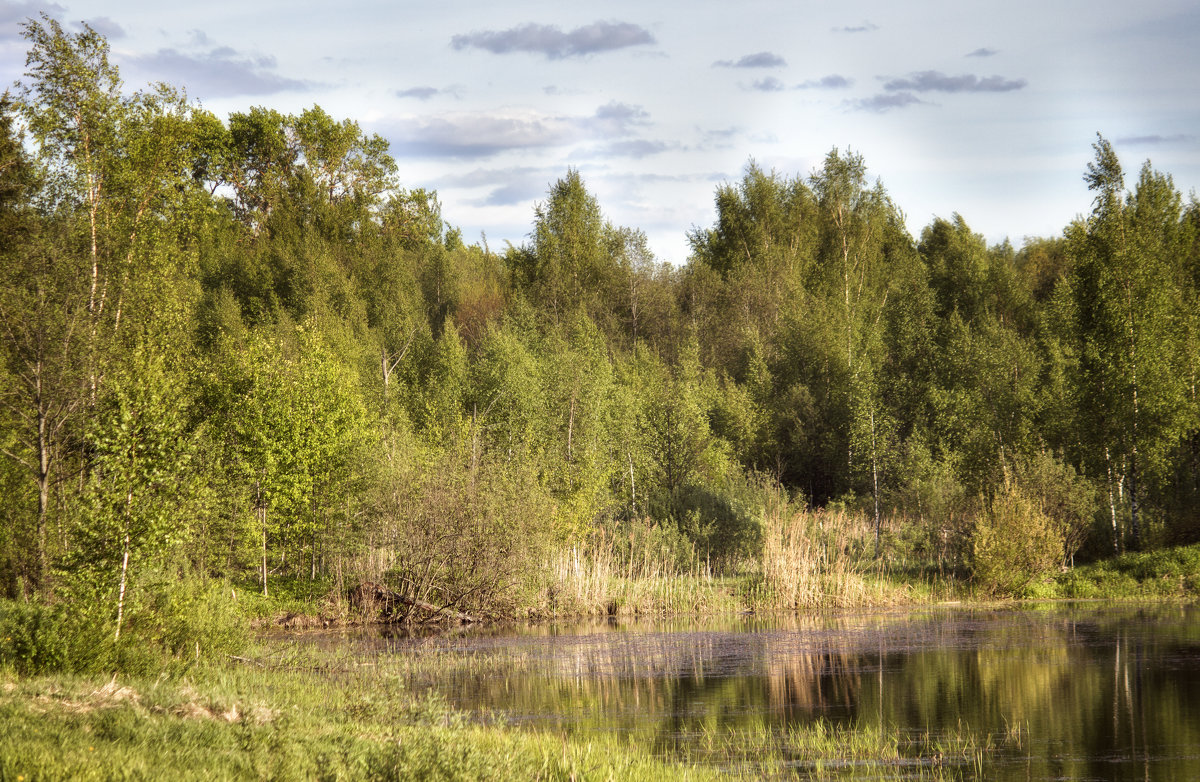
1172 573
245 723
823 749
316 717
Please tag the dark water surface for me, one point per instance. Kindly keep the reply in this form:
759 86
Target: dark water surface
1057 691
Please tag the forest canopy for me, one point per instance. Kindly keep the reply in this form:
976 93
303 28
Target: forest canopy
240 347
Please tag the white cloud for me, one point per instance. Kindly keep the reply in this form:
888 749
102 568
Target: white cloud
553 42
758 60
217 73
936 81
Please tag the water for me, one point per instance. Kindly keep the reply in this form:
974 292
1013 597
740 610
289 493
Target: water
1059 691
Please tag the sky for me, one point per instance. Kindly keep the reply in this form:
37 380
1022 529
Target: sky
988 110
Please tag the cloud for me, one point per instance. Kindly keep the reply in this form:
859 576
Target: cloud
719 138
865 27
221 72
772 84
480 177
769 84
513 194
105 26
555 44
759 60
420 93
480 135
885 102
634 148
983 52
474 135
1156 141
936 81
509 186
831 82
425 93
13 14
616 119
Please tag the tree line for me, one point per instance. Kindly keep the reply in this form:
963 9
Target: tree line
240 347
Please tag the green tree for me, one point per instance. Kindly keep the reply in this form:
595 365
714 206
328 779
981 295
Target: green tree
1125 304
121 162
139 497
861 237
568 266
294 423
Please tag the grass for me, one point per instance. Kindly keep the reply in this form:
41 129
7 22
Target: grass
1172 573
600 581
814 559
809 560
239 723
822 749
315 714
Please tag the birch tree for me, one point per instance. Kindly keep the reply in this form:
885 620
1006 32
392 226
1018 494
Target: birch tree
1128 331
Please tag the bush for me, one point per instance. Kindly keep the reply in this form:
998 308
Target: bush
1015 543
190 619
724 518
1066 497
459 533
175 621
36 639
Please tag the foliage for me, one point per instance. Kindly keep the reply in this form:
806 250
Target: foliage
459 533
229 723
173 623
238 346
1015 542
1170 573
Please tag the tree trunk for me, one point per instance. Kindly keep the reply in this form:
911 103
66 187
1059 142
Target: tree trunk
43 481
124 567
262 519
121 592
875 485
1112 502
1134 527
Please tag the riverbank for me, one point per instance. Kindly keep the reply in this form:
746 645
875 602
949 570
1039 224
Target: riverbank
583 587
313 711
200 699
240 722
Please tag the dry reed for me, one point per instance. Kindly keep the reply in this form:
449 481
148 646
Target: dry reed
819 559
599 579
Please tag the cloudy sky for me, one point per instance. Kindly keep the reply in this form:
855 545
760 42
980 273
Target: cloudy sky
985 109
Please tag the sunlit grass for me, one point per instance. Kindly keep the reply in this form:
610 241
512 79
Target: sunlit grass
598 581
823 749
314 713
822 559
250 723
1170 573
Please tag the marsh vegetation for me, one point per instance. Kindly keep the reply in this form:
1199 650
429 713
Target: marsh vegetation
245 370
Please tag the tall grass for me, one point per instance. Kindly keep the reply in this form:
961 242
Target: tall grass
820 559
639 575
252 724
824 749
809 559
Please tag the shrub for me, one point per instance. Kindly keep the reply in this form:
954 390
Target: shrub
460 533
36 639
1015 542
724 518
176 620
190 619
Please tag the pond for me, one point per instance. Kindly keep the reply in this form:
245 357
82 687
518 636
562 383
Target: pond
1055 691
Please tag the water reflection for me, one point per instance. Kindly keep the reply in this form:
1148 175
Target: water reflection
1061 691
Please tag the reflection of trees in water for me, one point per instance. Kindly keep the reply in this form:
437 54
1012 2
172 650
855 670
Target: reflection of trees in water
1109 692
